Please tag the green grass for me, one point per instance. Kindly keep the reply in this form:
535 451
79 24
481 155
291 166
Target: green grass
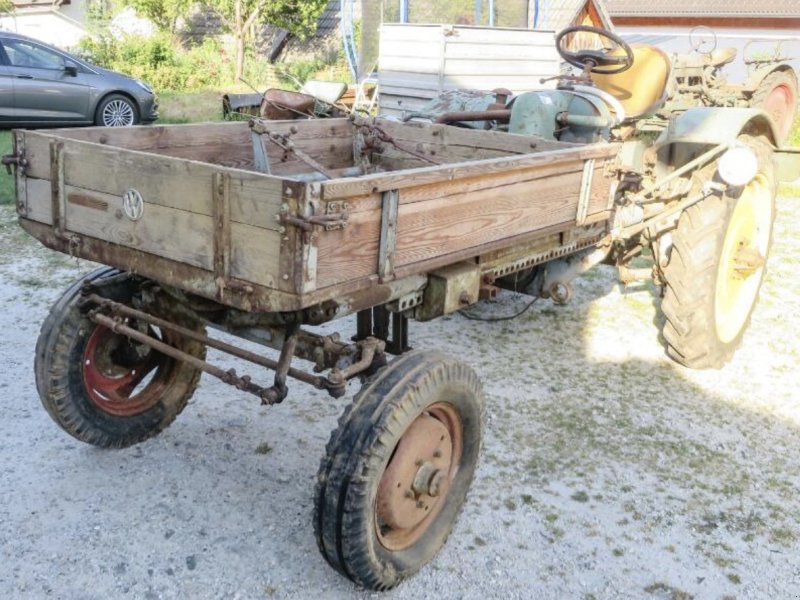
6 180
190 107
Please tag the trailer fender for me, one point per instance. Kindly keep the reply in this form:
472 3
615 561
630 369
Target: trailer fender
710 125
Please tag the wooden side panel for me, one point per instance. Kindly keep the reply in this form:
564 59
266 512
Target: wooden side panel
453 215
174 234
327 141
226 144
165 181
177 222
418 62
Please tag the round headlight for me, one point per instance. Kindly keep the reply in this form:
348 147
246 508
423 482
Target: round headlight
738 166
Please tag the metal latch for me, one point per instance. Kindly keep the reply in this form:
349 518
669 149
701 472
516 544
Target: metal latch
14 159
335 217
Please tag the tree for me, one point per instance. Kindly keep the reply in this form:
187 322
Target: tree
298 17
163 13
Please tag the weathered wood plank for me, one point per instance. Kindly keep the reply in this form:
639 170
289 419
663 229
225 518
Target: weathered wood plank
255 254
165 181
175 234
38 202
343 188
433 224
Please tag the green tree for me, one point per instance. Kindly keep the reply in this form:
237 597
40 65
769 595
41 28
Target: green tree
298 17
163 13
6 6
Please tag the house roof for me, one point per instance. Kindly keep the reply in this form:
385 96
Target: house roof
558 15
784 9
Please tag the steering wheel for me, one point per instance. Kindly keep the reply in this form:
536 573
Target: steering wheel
702 39
600 61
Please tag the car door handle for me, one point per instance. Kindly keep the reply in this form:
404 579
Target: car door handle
24 76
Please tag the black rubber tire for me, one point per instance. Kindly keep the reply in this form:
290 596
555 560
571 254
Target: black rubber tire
58 367
783 115
689 304
98 115
359 451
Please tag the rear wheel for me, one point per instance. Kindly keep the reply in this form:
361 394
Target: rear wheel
101 387
777 96
716 267
398 468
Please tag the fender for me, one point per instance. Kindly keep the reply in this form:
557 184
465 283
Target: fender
710 125
756 77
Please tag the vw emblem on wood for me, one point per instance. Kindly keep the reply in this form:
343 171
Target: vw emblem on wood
133 204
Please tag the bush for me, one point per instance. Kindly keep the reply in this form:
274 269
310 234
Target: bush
162 62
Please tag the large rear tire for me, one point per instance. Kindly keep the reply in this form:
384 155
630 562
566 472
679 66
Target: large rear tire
397 469
716 267
102 388
777 96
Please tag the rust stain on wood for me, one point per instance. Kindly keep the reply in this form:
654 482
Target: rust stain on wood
88 201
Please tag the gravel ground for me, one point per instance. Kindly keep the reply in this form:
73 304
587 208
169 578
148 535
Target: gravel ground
607 472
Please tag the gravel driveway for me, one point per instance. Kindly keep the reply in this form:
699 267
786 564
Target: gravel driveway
608 471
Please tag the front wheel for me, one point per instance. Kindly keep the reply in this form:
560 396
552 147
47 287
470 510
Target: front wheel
398 468
116 110
716 267
101 387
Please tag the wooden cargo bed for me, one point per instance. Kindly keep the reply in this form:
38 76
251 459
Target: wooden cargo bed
244 218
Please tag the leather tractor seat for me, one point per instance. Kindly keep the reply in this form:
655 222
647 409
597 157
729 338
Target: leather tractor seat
642 88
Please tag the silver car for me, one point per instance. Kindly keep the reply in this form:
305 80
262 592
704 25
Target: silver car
41 85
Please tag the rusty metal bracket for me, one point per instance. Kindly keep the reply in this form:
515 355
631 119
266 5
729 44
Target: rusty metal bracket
18 160
336 217
390 206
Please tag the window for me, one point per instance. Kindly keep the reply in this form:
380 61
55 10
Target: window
25 54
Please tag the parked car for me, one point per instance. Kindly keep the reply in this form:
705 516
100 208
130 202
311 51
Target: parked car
41 85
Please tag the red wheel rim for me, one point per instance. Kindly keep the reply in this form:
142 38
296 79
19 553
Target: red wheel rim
779 105
120 389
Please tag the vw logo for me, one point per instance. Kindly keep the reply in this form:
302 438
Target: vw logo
133 204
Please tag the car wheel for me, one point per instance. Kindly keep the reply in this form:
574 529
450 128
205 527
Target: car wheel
116 110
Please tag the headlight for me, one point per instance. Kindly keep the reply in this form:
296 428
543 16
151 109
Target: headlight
144 86
738 166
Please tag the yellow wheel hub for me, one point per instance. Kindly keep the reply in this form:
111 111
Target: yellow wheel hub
742 260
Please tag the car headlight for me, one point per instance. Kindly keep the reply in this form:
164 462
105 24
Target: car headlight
738 166
144 86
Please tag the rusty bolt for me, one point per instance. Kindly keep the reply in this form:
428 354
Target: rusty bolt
435 486
464 298
409 494
420 504
437 453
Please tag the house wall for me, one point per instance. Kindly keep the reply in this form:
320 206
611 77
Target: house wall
62 27
418 62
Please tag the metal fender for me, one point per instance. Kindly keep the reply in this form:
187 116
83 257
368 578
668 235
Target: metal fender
713 125
756 77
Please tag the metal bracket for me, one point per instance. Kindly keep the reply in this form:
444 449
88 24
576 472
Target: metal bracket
335 217
586 192
390 207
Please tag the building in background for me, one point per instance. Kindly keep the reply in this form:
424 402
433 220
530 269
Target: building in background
58 22
753 28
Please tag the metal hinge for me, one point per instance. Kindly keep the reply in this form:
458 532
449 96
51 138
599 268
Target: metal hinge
335 217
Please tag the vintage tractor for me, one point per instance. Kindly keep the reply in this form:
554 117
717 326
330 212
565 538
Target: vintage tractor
697 80
700 194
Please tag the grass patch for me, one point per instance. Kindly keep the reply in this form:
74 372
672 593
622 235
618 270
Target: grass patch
7 194
190 107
